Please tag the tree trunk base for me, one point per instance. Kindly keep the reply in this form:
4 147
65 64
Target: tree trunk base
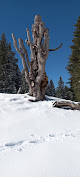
38 89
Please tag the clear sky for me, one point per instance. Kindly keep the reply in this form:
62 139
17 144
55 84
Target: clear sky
58 15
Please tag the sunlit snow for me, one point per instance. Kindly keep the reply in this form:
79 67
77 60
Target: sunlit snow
38 140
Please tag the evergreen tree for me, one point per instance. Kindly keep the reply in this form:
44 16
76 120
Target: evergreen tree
74 63
67 93
9 71
24 87
60 88
50 91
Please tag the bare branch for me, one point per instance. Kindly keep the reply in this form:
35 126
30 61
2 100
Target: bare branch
56 48
22 54
46 36
41 30
15 44
30 43
27 42
21 46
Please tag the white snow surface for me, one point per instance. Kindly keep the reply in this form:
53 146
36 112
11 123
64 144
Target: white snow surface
38 140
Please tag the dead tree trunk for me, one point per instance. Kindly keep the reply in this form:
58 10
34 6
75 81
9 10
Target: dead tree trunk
35 74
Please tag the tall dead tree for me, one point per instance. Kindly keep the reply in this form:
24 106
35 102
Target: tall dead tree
35 74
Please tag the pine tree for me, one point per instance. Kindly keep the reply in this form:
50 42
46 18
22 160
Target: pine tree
24 87
14 69
74 63
67 93
50 89
9 71
60 88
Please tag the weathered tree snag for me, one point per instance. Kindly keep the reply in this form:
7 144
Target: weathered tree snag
35 74
66 104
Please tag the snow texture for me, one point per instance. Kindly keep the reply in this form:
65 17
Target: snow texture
38 140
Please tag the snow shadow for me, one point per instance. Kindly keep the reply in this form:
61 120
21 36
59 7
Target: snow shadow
12 144
15 99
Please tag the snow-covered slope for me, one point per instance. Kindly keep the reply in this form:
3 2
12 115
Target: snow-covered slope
37 140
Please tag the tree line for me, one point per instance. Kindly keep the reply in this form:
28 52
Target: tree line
61 91
13 81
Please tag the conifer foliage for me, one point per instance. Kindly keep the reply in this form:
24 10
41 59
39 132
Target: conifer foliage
50 91
67 93
10 77
24 87
61 91
60 88
74 63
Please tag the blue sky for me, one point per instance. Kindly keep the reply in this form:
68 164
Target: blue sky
58 15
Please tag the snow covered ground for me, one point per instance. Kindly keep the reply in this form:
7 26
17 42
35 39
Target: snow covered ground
38 140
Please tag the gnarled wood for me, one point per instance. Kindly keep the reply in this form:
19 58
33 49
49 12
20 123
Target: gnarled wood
66 104
39 47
